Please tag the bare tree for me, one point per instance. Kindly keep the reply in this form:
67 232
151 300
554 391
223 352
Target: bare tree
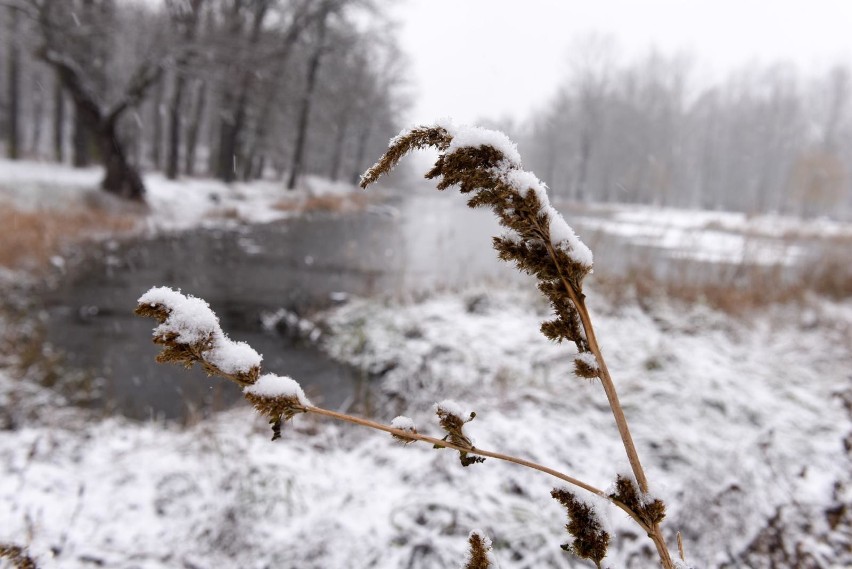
185 21
319 48
13 84
58 121
65 48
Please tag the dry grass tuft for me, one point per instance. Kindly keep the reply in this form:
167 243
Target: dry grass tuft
739 291
590 540
334 203
17 556
478 557
30 238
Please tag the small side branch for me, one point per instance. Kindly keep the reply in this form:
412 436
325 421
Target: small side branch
410 436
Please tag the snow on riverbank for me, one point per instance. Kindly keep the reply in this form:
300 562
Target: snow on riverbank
173 204
715 236
739 421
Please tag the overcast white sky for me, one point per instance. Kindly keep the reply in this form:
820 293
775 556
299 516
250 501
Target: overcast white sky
492 58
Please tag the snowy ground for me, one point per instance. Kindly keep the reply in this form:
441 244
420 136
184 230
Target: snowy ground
172 205
743 424
737 420
716 236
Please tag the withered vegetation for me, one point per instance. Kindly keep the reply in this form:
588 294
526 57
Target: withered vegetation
481 172
454 425
590 539
17 556
648 509
189 354
478 557
31 238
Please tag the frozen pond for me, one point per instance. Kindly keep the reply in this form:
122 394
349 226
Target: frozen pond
246 273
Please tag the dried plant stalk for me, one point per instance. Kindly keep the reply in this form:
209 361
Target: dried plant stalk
479 556
485 164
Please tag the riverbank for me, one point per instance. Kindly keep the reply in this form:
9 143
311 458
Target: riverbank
46 208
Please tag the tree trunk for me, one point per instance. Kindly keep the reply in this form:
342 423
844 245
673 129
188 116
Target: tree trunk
226 165
193 129
583 170
157 126
174 127
58 121
101 123
38 97
187 22
82 141
14 69
361 150
234 109
337 151
121 178
297 164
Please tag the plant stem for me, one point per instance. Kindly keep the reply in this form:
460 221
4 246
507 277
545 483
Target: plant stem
654 532
408 435
612 395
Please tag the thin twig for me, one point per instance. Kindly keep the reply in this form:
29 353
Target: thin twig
408 435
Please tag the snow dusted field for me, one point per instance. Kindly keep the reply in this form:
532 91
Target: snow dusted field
743 423
738 421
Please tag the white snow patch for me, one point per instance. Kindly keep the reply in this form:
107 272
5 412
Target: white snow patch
271 386
403 423
525 182
589 359
465 136
450 407
232 357
512 236
189 317
564 238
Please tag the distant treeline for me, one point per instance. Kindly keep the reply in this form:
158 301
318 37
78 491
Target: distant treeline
651 130
231 88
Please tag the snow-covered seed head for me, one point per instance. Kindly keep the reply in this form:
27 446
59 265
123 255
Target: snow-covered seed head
279 398
451 418
190 334
406 425
647 508
591 540
586 365
479 552
486 165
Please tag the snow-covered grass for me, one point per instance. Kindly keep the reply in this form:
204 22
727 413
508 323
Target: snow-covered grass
738 421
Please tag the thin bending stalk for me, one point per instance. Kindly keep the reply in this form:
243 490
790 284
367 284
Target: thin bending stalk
410 436
579 300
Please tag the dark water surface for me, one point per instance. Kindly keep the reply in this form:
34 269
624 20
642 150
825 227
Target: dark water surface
299 265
